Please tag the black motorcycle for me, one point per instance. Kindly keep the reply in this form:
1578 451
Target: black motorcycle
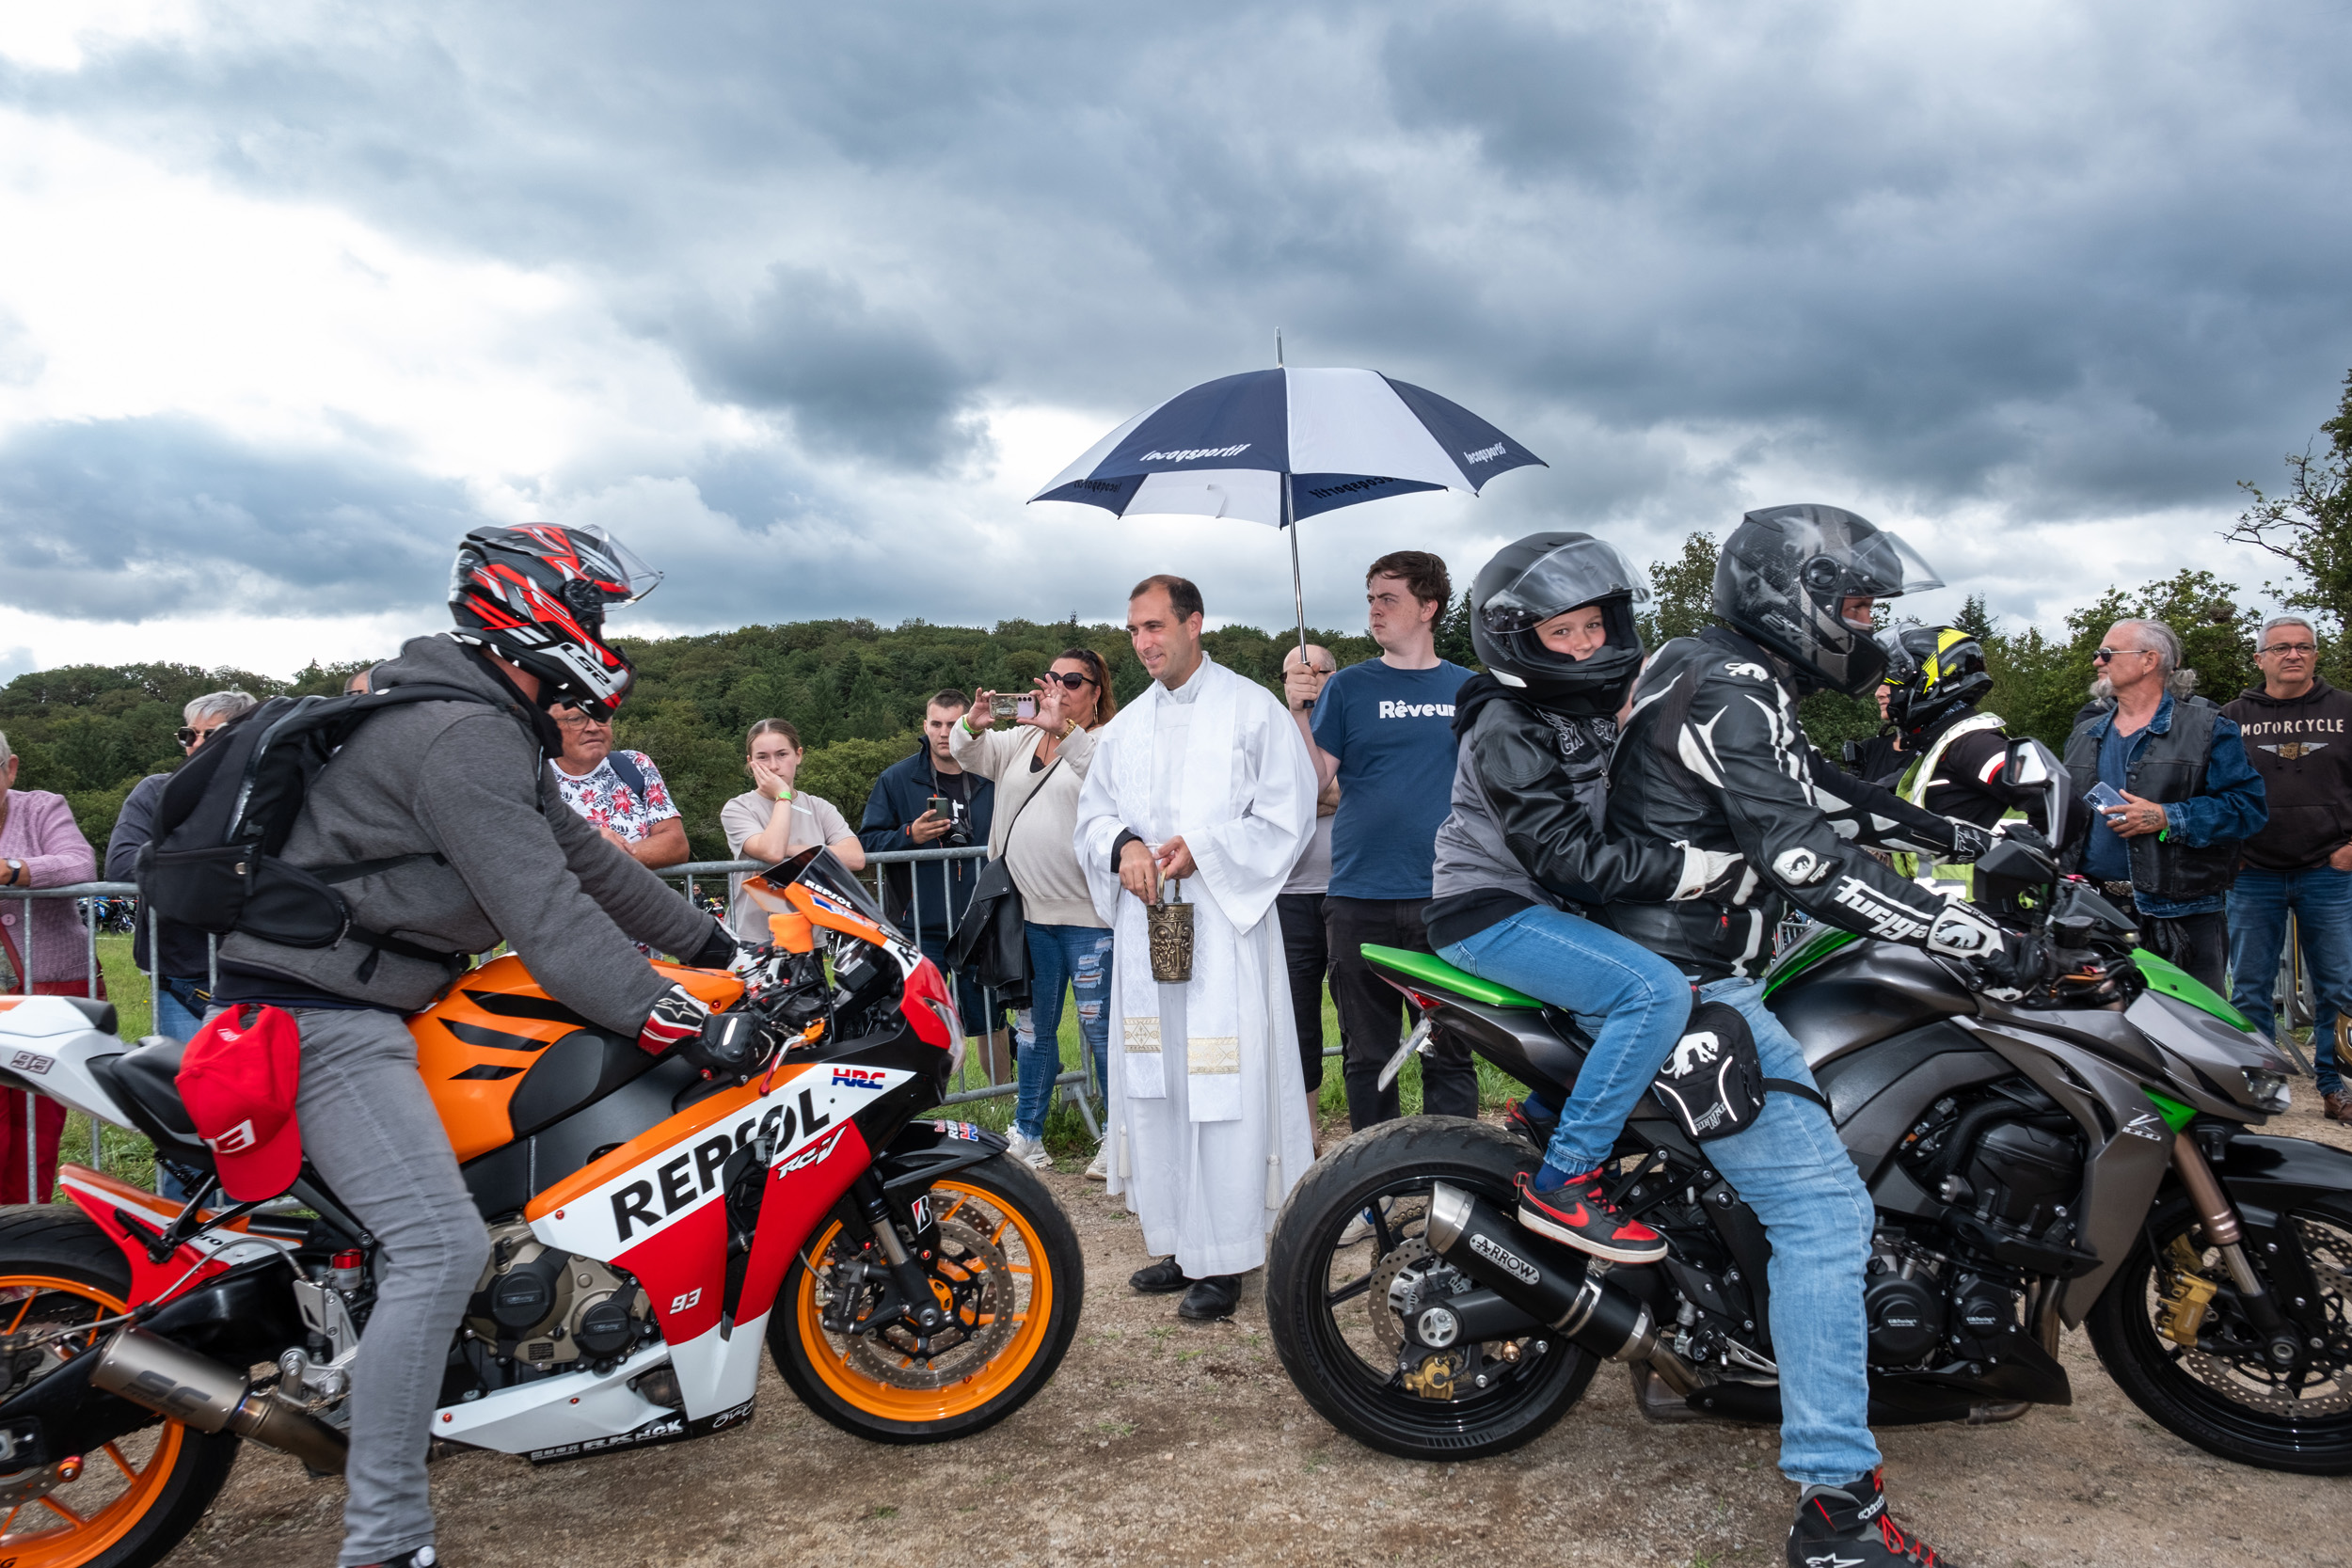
2082 1157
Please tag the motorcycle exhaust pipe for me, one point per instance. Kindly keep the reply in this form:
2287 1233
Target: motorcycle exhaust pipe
151 1372
1596 1314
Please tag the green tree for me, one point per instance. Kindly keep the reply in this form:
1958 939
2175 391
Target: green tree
2310 528
1454 634
1682 601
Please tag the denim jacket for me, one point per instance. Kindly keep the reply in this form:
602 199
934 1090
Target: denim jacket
2227 808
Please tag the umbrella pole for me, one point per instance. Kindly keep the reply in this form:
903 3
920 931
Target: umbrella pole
1298 592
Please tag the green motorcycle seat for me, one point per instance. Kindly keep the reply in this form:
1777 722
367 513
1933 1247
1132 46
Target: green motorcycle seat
1431 970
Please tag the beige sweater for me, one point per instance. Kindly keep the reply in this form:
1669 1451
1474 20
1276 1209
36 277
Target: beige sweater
1044 866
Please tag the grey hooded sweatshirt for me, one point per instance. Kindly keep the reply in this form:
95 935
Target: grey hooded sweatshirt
469 782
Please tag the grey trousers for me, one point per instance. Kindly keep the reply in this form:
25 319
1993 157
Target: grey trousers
370 1128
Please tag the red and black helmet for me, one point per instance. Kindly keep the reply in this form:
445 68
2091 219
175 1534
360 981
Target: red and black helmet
537 595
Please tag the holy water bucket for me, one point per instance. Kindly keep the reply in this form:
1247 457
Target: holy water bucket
1172 936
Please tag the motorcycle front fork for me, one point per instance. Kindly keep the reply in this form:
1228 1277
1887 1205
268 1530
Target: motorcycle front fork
868 1212
2282 1341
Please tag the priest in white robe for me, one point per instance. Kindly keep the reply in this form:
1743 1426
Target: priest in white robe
1202 781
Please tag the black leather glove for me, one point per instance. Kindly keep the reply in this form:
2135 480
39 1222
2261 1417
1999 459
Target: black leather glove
728 1045
2024 961
1969 842
718 949
2024 834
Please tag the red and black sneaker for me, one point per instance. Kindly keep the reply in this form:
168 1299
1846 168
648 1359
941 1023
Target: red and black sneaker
1847 1527
1528 1123
1578 1215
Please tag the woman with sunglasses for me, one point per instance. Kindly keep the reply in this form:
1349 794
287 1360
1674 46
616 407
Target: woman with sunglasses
1038 768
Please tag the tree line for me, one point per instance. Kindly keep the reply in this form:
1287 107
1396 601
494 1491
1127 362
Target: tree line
856 690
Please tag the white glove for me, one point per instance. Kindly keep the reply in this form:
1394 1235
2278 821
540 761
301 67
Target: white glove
1721 874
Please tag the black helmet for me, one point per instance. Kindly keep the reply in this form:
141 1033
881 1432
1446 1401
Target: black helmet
1542 575
536 595
1783 573
1932 673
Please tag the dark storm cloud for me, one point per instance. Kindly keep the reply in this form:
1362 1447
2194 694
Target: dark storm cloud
127 519
2066 263
857 380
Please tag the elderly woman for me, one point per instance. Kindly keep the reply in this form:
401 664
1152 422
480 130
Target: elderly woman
44 950
1037 770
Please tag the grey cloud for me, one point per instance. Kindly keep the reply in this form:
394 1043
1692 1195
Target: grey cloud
2076 270
128 520
855 379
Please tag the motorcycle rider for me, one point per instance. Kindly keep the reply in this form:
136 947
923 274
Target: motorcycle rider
1935 677
460 795
1713 752
1522 863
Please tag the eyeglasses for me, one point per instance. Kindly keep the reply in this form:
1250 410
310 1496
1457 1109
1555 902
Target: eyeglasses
581 722
2305 649
1070 679
2106 654
189 736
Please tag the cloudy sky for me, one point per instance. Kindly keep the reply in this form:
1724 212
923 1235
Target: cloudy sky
803 300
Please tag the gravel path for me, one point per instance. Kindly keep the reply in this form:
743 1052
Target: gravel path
1163 1441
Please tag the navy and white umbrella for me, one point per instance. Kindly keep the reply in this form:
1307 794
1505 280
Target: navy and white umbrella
1282 445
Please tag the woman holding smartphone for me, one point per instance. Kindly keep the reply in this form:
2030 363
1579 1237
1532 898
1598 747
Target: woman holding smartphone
772 819
1038 765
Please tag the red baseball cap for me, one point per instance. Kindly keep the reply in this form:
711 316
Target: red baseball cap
238 1081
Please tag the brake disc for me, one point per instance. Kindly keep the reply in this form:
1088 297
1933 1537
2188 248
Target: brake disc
1411 1253
2253 1383
980 1309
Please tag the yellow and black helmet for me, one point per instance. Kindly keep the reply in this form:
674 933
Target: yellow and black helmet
1932 673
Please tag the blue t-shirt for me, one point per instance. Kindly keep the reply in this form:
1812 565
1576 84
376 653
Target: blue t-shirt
1392 731
2107 857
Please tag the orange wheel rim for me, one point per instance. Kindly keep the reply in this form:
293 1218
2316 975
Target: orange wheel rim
63 1529
1012 1233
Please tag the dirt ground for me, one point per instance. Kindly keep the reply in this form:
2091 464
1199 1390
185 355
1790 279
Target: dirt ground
1164 1442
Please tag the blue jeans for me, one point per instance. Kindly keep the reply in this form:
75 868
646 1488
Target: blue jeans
2322 902
1793 1171
1632 1003
180 1004
1078 958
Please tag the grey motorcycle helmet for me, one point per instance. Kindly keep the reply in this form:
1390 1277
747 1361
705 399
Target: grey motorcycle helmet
1544 574
1784 574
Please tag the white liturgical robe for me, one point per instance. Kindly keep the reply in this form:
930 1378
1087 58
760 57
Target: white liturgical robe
1209 1125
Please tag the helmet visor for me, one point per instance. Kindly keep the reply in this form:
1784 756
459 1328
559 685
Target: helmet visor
1883 568
623 576
1582 572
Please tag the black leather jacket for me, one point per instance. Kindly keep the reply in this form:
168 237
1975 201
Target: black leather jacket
1735 772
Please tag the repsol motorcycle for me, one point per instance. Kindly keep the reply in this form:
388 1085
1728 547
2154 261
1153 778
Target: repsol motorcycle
650 1230
2085 1156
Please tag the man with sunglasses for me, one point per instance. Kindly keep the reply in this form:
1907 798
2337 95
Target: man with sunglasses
2298 734
2185 799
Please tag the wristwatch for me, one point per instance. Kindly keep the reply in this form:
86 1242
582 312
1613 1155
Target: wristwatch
16 870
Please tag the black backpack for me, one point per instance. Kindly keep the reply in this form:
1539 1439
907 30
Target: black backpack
213 862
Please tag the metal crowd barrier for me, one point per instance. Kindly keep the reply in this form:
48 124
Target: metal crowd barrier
1076 1084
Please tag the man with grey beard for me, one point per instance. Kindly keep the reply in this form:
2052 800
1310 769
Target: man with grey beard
2184 799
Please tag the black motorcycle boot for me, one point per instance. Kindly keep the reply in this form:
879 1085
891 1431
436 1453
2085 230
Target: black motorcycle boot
1847 1527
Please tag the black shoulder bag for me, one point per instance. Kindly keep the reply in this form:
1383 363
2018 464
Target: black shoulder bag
990 944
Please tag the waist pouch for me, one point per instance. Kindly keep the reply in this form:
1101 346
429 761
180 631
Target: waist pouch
1713 1082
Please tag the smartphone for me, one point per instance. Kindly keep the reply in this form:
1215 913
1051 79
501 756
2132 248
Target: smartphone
938 805
2104 796
1013 707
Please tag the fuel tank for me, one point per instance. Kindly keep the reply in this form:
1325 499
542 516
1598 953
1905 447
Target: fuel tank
1858 994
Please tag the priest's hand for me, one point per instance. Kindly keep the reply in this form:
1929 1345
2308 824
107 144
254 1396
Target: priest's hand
1176 859
1139 873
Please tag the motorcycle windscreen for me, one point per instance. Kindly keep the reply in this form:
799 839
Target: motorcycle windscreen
820 870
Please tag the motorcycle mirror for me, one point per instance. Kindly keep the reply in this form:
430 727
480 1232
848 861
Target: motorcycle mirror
2031 765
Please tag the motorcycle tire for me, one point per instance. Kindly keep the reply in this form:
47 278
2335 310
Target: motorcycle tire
1334 1359
2199 1397
134 1500
1004 1243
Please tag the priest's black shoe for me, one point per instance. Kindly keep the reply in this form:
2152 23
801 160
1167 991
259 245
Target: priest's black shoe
1212 1298
1162 1278
1847 1527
